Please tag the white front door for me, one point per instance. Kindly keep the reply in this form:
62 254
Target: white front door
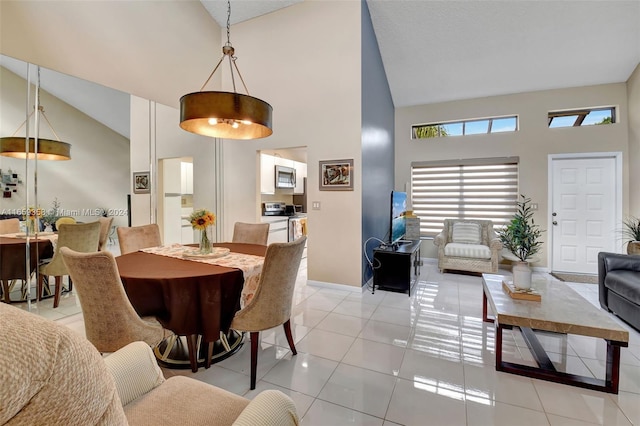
583 206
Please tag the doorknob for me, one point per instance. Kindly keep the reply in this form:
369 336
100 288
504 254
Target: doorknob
554 222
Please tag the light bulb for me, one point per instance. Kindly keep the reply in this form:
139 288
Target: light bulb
213 121
235 125
247 122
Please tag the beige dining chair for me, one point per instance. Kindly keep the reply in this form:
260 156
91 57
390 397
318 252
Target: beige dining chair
135 238
250 233
105 227
110 322
9 226
82 237
271 303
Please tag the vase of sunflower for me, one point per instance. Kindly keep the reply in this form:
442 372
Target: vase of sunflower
203 220
33 220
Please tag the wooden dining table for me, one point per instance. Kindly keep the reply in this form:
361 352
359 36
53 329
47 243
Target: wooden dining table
193 299
13 260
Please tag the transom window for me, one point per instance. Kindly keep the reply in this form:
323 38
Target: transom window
465 127
582 117
484 188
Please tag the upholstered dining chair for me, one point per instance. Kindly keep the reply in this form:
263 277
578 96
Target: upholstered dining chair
82 237
9 226
105 227
271 304
110 322
250 233
64 219
135 238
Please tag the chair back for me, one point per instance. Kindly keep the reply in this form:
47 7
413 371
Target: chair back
271 304
64 219
82 237
9 226
486 229
250 233
110 321
105 227
138 237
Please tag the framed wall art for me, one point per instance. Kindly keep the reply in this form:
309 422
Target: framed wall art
141 183
336 175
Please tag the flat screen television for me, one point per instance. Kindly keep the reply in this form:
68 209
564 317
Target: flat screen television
398 213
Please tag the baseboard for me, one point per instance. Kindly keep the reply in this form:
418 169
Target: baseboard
335 286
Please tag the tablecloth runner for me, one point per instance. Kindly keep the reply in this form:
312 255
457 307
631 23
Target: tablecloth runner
250 265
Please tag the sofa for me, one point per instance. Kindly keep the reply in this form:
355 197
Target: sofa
50 375
468 245
619 286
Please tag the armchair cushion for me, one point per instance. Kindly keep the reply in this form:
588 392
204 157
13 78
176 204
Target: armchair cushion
477 251
269 408
466 233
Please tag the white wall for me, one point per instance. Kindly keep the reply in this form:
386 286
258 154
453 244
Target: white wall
633 95
532 143
311 76
97 176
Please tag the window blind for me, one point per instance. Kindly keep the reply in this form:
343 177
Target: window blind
485 189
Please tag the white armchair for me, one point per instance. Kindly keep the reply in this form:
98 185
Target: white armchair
468 245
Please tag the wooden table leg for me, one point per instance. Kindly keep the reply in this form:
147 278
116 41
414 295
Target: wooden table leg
484 308
5 290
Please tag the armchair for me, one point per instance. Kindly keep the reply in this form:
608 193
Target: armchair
55 376
468 245
619 286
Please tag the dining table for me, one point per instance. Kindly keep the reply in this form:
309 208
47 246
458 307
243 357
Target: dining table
13 260
195 298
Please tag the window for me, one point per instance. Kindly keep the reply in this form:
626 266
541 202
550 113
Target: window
582 117
466 127
485 188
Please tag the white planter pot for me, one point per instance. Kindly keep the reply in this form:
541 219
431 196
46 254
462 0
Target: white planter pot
521 275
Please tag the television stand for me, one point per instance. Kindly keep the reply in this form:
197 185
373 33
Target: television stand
396 268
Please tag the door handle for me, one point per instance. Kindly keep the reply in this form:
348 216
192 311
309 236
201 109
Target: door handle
554 214
554 222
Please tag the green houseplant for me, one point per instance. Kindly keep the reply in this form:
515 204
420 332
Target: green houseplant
631 233
522 238
52 215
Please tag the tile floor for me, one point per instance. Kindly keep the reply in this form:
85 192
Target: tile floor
389 359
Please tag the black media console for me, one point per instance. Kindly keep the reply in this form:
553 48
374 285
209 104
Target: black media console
396 268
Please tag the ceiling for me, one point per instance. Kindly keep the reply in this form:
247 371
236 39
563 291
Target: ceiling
439 51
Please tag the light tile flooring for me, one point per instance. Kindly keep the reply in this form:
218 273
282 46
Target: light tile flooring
387 359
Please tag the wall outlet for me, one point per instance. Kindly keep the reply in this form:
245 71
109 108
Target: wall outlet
315 205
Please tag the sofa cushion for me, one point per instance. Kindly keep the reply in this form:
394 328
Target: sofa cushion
49 375
475 251
466 233
180 401
625 283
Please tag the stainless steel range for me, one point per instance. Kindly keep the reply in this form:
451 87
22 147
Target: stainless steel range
273 209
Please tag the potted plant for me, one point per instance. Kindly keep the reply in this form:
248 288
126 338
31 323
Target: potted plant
522 238
631 232
52 215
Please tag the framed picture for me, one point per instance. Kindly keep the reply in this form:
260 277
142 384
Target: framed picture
336 175
141 183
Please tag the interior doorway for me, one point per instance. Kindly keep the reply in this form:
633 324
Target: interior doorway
175 199
585 209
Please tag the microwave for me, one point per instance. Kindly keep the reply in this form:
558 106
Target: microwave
285 177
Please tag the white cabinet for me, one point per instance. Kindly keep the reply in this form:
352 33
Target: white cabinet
301 173
278 228
267 174
186 182
279 161
171 176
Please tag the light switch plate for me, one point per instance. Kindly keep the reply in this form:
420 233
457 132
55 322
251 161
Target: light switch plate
534 206
315 205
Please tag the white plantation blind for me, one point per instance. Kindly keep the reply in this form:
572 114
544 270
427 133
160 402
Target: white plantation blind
484 188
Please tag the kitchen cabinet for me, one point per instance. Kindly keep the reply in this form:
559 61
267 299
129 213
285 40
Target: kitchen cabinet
267 174
278 228
186 181
279 161
301 173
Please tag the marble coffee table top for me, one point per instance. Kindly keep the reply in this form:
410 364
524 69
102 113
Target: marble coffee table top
562 310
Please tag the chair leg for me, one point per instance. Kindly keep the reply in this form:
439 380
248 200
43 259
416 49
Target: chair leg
70 284
39 287
287 332
56 298
255 335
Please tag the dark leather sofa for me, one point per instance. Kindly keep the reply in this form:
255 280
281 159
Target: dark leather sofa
619 286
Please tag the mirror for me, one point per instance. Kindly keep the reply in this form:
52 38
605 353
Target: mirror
95 182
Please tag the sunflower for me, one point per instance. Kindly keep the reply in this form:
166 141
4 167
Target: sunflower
201 219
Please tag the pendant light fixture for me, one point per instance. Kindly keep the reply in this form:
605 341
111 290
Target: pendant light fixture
227 115
45 149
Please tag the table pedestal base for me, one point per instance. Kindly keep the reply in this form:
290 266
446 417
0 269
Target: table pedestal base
173 352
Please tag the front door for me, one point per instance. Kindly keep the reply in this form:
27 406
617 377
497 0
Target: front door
583 218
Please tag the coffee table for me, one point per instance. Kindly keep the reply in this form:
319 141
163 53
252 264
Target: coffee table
562 310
